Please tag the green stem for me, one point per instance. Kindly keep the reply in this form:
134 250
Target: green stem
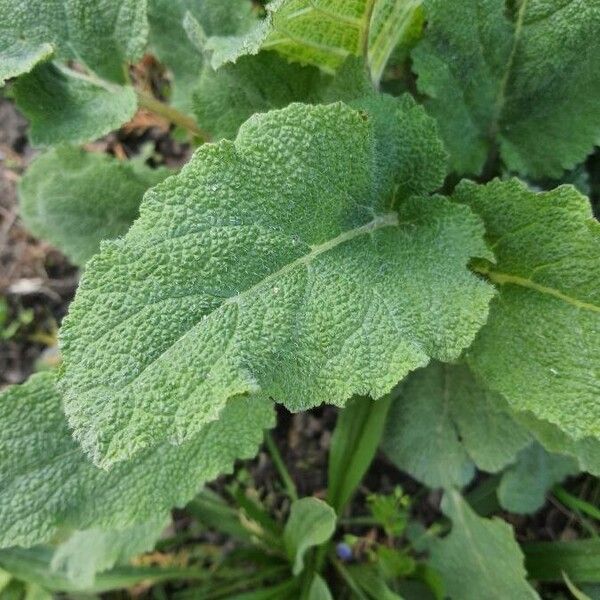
345 575
286 478
576 503
172 115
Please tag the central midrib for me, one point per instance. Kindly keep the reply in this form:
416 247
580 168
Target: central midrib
508 278
379 222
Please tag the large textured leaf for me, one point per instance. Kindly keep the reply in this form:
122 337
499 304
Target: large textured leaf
541 345
444 423
103 34
168 39
523 486
225 98
525 82
48 485
278 263
86 553
76 199
64 106
479 558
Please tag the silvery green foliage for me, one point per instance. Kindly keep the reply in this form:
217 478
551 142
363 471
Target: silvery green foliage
296 261
523 81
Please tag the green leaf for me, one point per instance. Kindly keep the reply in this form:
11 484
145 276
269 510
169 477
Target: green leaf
225 98
169 41
479 558
92 551
585 450
65 106
444 423
520 79
541 346
580 560
319 590
103 35
524 485
276 263
47 485
20 56
75 199
311 523
353 446
394 22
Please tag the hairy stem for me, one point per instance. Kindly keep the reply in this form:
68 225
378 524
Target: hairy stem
171 114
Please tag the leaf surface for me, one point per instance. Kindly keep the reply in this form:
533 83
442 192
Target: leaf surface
76 199
274 263
311 523
541 346
86 553
479 556
444 423
524 485
522 79
64 106
47 484
225 98
169 41
103 35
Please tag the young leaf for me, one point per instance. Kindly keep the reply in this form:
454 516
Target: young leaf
319 590
524 79
76 199
480 557
48 485
92 551
311 523
225 98
524 485
169 41
65 106
103 35
541 346
278 263
444 423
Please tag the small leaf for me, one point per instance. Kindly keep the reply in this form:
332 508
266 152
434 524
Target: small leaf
47 485
541 345
444 423
479 557
311 523
524 485
75 199
64 106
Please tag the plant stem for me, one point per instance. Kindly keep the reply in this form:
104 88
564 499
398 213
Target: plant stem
345 575
171 114
576 503
286 478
